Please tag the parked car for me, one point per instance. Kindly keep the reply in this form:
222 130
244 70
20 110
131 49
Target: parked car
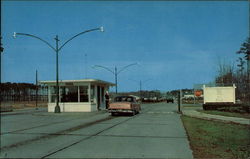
170 100
124 104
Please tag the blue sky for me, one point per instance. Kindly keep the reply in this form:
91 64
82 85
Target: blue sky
177 44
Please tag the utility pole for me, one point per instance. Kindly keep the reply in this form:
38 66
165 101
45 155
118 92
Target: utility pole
1 61
1 69
116 80
140 91
140 86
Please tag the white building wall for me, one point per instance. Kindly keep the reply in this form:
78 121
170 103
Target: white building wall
73 107
93 107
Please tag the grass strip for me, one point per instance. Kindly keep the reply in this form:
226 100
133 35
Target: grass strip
210 139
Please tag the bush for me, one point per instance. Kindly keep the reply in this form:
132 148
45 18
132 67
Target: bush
227 107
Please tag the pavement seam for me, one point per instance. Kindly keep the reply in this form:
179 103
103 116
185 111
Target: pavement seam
54 134
40 126
94 135
21 113
51 135
99 135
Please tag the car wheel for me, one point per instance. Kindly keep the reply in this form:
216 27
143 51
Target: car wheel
133 113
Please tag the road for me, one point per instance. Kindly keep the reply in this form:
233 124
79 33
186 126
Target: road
157 132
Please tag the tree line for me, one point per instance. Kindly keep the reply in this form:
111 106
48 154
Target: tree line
22 92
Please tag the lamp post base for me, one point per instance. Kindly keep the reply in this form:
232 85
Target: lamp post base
57 109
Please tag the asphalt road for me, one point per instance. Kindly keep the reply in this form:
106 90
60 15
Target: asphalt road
157 132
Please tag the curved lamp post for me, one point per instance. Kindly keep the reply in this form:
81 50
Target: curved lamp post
57 49
115 72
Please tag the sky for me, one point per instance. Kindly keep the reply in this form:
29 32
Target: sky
175 44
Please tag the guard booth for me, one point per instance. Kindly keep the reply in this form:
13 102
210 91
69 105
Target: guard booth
84 95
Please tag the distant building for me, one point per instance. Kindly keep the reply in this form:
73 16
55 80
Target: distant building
188 96
83 95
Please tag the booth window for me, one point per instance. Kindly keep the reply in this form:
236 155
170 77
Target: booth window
69 94
53 94
84 94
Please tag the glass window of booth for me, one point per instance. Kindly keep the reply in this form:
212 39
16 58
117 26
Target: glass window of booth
69 94
84 94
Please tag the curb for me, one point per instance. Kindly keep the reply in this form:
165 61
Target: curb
204 116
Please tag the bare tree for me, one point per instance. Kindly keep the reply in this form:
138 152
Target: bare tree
225 74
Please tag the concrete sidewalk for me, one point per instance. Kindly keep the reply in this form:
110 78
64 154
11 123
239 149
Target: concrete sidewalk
196 114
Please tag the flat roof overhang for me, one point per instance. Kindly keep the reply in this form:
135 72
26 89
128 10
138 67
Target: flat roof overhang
94 81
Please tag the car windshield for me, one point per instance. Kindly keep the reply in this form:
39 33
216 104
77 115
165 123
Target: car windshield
124 99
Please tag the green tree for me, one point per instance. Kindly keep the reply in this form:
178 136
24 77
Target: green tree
245 49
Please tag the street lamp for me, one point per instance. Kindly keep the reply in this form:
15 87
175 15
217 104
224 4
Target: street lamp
57 49
115 72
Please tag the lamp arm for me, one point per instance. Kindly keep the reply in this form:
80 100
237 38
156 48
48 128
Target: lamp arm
36 37
105 68
126 67
77 36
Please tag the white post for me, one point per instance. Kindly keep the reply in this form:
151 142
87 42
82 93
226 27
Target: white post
49 94
234 92
95 94
89 93
95 99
